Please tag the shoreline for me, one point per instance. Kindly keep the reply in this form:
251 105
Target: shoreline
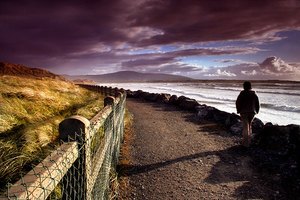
278 106
190 104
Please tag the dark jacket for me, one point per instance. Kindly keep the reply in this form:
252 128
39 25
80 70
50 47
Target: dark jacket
247 102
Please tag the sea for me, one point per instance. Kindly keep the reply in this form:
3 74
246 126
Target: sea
279 100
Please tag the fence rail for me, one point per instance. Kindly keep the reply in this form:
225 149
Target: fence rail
80 167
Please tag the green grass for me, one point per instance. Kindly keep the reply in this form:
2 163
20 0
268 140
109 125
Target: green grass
30 112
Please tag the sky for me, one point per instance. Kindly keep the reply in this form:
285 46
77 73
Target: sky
203 39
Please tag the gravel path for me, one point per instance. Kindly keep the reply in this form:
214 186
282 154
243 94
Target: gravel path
171 156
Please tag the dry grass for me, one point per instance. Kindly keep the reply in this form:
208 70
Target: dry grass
30 112
119 182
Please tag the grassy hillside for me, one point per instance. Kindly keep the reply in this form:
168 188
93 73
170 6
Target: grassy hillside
12 69
30 112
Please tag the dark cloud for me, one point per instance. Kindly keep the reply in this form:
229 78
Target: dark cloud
170 68
227 61
56 28
199 20
233 61
171 62
179 68
97 36
146 62
212 51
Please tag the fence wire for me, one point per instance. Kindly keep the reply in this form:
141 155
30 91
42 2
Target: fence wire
81 166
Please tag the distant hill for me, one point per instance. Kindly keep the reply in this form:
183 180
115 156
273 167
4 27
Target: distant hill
130 76
84 81
21 70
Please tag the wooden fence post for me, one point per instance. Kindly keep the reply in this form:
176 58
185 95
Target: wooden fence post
119 119
76 128
111 101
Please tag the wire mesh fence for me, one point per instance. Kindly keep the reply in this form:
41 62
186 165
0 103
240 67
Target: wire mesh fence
80 167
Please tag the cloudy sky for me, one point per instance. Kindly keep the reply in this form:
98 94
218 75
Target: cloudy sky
207 39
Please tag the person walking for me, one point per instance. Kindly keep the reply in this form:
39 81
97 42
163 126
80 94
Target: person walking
247 105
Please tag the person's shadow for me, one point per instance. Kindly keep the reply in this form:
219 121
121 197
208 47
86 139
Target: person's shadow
129 170
233 167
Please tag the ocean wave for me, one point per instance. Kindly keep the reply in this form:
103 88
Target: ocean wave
183 86
281 107
265 91
276 91
206 99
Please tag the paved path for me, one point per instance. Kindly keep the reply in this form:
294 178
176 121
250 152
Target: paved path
174 157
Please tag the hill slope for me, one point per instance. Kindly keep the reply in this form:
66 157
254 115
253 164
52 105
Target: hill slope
30 112
21 70
130 76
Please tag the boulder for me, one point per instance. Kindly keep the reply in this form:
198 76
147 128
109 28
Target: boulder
295 136
173 99
204 112
276 150
236 129
257 126
279 138
142 94
129 93
221 117
189 104
180 100
151 97
232 119
137 94
163 98
218 116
